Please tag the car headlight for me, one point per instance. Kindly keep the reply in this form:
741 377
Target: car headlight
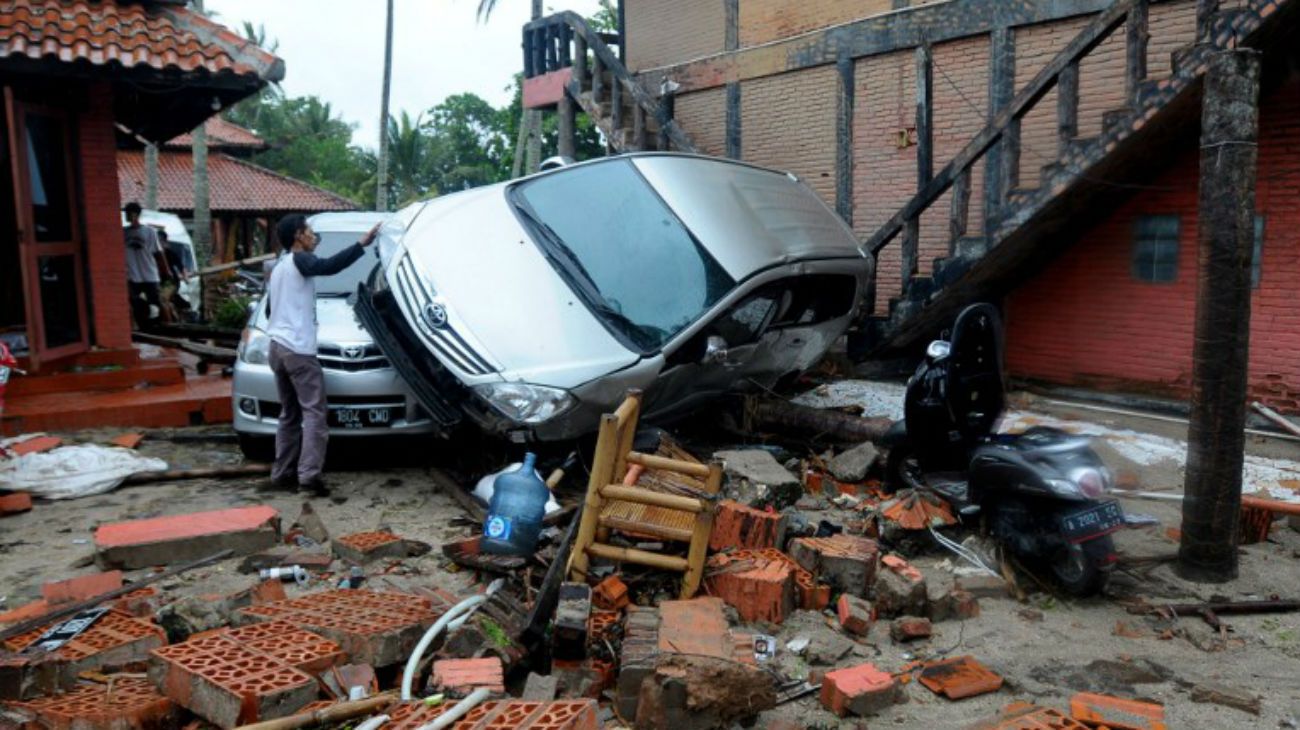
524 403
254 346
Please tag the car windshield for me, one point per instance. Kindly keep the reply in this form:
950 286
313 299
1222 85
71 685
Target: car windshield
345 282
623 250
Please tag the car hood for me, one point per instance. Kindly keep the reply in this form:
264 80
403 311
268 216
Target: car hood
503 296
337 324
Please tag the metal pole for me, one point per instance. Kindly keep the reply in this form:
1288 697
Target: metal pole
381 190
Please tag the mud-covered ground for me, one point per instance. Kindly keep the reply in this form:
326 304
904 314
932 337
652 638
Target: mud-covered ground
1046 647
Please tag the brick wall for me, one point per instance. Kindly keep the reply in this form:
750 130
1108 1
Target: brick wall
788 122
105 253
662 32
703 114
767 20
1086 321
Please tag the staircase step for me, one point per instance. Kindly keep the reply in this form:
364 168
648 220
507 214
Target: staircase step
1016 196
1180 59
971 247
919 288
111 377
1115 118
198 400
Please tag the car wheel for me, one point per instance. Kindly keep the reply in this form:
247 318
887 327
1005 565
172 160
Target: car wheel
257 448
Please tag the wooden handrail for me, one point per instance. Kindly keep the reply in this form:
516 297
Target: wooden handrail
1092 36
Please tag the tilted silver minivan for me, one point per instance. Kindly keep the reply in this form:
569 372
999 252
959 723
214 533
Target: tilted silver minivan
365 395
530 307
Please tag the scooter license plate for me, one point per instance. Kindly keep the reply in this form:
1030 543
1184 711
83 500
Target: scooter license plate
1086 524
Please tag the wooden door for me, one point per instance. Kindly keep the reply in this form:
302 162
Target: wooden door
49 229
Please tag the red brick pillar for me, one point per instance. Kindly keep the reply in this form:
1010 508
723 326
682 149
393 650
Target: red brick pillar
110 313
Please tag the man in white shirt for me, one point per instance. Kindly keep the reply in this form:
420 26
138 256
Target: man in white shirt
291 295
144 255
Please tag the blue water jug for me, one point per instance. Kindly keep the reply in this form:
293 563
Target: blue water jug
515 515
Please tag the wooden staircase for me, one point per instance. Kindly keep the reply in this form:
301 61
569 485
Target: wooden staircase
630 117
1031 225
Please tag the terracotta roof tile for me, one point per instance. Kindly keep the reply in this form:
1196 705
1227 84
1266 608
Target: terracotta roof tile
221 134
236 185
103 32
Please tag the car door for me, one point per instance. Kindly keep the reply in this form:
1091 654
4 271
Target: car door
693 373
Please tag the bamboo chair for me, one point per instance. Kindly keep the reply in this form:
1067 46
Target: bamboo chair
613 504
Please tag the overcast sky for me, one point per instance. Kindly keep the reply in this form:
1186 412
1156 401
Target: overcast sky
335 50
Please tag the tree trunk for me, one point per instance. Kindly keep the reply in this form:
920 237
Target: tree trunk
1216 436
202 198
151 176
381 191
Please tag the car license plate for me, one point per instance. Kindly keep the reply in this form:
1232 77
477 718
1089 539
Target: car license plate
1086 524
349 417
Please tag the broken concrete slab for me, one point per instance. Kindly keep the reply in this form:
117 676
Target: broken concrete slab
862 690
539 688
910 628
855 614
640 654
186 537
1220 694
853 465
757 479
310 525
688 692
899 589
572 615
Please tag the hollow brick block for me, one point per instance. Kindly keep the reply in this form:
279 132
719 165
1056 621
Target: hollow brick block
860 690
462 676
122 703
739 526
847 562
364 547
759 588
185 537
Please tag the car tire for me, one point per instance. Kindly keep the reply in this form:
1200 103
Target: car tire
257 448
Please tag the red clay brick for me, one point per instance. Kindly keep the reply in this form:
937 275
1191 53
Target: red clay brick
363 547
610 594
759 588
860 690
846 562
127 440
141 603
812 595
739 526
462 676
374 628
121 703
81 587
1116 713
15 503
115 640
36 445
959 677
909 628
502 715
699 626
184 537
855 614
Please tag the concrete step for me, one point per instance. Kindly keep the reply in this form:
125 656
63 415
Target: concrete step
100 378
1115 118
203 399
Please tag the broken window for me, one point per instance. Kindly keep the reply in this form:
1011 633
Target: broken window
1155 253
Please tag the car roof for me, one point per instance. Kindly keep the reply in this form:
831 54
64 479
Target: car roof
354 221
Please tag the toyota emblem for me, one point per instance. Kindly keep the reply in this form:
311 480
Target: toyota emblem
435 315
354 352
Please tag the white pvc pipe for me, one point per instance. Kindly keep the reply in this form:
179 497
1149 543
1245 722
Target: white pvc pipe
455 617
461 709
373 723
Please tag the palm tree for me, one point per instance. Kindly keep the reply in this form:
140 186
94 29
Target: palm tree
408 158
381 192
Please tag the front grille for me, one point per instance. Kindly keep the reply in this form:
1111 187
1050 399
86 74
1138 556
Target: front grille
351 360
443 340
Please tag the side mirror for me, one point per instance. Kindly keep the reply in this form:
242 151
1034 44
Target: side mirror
715 350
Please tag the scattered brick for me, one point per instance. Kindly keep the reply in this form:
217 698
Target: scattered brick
811 595
23 676
119 703
35 445
1233 697
910 628
340 680
855 614
846 562
689 691
602 627
585 678
739 526
374 628
15 503
127 440
81 587
115 640
959 678
462 676
900 589
25 612
983 586
639 654
182 538
540 688
572 615
1027 716
141 603
860 690
699 626
760 588
611 594
502 715
364 547
1117 714
956 604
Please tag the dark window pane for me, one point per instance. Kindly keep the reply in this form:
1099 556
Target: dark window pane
1155 252
47 172
59 300
344 282
1257 254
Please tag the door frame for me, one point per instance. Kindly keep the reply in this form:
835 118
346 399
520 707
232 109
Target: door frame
29 249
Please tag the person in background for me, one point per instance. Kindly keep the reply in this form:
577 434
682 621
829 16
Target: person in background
144 260
303 431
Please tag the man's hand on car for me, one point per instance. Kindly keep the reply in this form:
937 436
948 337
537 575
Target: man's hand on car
370 236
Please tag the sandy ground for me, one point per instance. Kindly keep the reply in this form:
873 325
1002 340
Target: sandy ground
1046 647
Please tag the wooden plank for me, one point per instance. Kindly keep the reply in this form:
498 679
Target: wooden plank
1067 107
638 127
597 80
1002 86
602 467
567 144
1088 39
960 212
698 551
1010 158
924 116
580 60
733 121
910 251
1135 47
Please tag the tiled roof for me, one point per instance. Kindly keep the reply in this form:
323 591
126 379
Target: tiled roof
221 134
129 34
236 185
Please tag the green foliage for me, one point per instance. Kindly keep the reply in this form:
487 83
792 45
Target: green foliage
232 313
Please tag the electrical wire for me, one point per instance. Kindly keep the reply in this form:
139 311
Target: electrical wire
961 551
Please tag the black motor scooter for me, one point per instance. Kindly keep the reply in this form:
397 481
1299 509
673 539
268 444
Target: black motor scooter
1040 493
